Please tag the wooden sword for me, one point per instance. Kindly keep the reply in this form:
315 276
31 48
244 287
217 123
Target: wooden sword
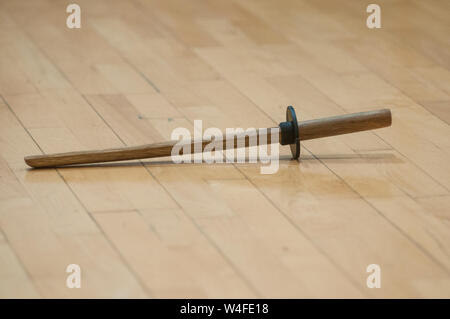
290 133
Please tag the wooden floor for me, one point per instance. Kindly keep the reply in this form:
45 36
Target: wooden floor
138 69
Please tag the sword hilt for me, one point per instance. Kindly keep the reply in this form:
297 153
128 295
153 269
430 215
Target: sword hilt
292 131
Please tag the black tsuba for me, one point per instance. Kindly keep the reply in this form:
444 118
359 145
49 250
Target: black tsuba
290 132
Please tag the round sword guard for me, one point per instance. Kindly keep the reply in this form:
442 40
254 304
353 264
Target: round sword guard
290 132
292 118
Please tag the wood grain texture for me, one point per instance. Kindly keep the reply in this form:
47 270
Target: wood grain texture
147 229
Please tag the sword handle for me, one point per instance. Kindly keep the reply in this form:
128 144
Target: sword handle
344 124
